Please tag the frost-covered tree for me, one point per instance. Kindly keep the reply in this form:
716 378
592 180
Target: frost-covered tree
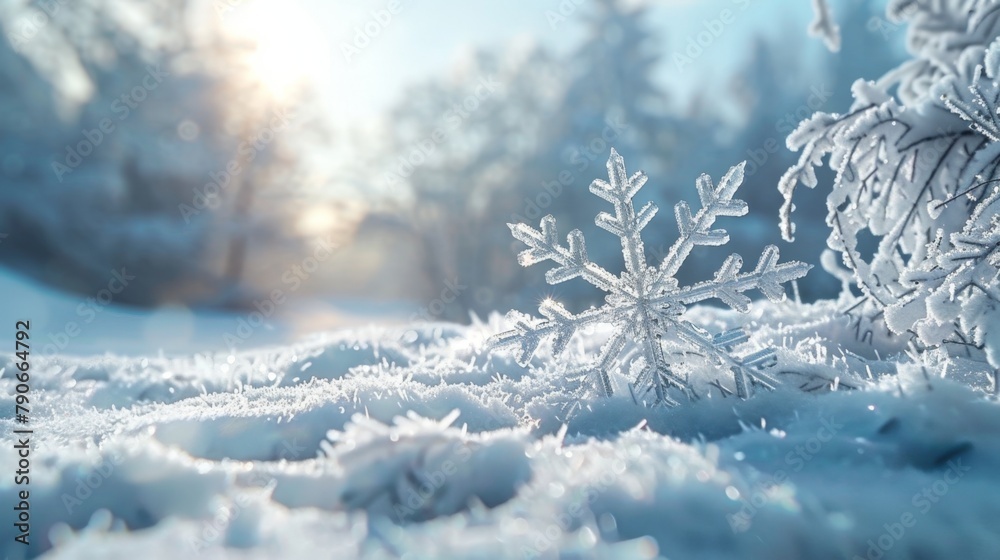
775 89
118 116
870 47
916 168
824 25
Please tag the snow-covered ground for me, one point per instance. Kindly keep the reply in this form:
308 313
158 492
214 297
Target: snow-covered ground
96 324
412 442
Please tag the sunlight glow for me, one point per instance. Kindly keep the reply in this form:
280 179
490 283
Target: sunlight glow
316 221
289 49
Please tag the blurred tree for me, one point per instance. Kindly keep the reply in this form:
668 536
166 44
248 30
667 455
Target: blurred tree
772 99
611 99
871 47
612 82
125 124
452 153
531 148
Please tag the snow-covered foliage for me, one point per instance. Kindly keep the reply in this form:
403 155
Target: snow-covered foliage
824 26
645 303
916 166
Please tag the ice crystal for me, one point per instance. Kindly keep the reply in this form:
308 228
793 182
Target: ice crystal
645 304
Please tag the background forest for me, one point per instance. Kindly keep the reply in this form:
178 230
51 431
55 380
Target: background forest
228 151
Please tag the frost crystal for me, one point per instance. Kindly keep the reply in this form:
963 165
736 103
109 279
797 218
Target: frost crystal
645 304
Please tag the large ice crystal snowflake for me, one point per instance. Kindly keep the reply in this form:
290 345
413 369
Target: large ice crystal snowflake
645 304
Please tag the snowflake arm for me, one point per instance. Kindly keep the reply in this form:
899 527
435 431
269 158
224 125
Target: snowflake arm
560 325
718 346
694 230
573 260
626 223
729 285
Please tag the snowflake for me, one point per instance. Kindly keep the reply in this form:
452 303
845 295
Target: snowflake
645 304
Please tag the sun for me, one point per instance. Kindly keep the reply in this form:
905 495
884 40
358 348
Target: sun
316 221
289 51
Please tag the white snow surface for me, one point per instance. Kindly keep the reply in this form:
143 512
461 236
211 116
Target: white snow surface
412 442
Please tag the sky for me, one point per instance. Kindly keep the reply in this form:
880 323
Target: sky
361 57
371 55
